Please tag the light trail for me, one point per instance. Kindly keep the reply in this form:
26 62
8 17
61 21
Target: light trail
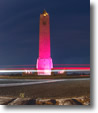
71 64
81 68
17 65
53 64
71 68
13 71
68 69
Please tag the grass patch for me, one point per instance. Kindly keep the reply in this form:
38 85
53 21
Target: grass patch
43 77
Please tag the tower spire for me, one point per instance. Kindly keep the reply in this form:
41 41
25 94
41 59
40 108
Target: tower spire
45 13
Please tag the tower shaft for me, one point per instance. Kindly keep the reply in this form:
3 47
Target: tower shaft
44 61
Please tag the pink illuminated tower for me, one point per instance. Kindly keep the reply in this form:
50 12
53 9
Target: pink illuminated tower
44 61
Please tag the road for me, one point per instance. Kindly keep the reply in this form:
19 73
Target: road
22 82
48 88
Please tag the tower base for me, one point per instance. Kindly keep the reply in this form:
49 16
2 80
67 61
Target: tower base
44 66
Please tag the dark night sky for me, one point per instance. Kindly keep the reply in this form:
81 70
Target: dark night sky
69 26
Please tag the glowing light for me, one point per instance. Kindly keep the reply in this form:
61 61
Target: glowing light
61 71
26 71
47 72
45 13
